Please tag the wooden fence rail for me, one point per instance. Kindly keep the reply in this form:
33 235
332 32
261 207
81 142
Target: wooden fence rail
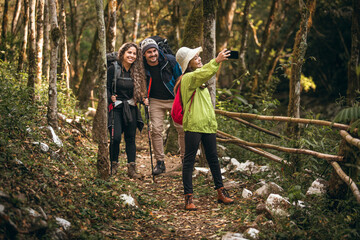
256 147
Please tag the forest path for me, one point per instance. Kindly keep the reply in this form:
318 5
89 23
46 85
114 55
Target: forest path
171 221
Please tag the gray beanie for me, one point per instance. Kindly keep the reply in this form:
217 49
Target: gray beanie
147 44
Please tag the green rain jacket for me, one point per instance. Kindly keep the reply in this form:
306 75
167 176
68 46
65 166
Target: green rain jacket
201 117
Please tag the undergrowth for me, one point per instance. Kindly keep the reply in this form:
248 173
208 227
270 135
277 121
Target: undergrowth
322 217
63 180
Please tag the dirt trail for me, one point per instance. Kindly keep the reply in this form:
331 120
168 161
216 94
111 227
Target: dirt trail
171 221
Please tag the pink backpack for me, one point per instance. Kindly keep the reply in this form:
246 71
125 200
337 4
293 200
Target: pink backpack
177 111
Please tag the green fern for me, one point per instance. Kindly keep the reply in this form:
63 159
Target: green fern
349 115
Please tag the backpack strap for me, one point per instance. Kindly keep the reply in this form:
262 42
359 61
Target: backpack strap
116 68
177 87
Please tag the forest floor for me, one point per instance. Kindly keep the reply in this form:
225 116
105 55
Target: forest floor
171 221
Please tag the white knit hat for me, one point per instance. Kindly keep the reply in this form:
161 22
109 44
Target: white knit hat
184 56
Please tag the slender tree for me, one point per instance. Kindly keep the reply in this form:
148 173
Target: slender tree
224 20
136 20
111 26
307 9
55 38
176 21
264 41
64 65
244 37
4 27
22 55
100 121
39 41
209 43
354 62
16 16
46 47
32 49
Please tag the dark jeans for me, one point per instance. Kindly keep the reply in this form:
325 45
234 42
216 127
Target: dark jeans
129 135
192 140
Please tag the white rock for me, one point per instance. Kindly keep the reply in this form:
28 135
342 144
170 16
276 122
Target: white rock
268 188
129 200
252 232
2 208
246 193
277 205
63 223
300 204
43 147
318 187
202 169
233 236
33 213
56 139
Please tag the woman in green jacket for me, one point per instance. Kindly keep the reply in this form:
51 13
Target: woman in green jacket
199 120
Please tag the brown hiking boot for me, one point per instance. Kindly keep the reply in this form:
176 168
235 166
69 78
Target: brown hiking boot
223 196
132 171
189 205
114 166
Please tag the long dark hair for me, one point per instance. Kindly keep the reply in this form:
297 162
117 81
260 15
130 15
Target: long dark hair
137 71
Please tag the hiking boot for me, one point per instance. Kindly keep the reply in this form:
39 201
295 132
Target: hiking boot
159 168
132 171
114 166
189 205
223 196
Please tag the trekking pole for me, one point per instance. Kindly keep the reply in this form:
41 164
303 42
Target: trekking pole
148 127
112 138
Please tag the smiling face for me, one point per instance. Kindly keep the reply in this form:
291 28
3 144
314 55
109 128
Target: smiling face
152 56
195 62
129 56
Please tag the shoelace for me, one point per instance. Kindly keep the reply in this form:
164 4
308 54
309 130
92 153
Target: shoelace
188 199
226 193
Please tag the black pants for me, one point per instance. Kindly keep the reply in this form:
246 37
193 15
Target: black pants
129 135
192 140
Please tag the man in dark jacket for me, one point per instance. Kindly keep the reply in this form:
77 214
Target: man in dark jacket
162 71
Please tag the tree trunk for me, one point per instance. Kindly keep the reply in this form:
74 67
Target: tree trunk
209 41
224 20
244 38
76 34
87 83
55 38
22 55
193 31
298 55
111 26
4 29
176 21
46 47
125 30
136 20
16 16
264 41
353 77
64 66
39 41
32 49
100 121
